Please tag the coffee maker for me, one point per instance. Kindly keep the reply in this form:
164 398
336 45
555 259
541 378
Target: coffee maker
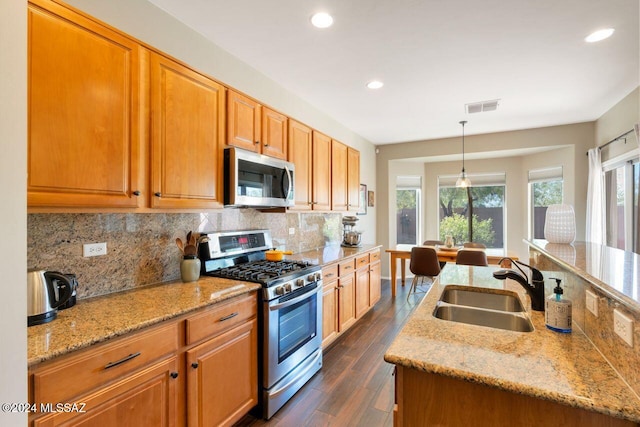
350 237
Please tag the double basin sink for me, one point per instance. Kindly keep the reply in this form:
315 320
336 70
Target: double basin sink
483 307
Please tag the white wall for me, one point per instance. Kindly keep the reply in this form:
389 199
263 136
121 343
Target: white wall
13 218
564 145
156 28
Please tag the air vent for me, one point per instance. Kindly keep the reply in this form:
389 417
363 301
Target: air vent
482 106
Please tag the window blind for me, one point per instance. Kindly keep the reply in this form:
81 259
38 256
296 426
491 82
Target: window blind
477 180
546 174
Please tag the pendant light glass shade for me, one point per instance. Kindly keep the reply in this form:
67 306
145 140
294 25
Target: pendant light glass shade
463 181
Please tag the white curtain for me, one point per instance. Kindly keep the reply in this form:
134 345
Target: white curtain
595 232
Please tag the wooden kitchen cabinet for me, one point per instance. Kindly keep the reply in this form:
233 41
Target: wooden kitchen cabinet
321 185
256 128
345 177
222 379
187 130
300 154
85 111
362 285
129 381
222 370
346 295
375 284
330 327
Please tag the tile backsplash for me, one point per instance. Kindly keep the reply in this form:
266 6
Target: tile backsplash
141 247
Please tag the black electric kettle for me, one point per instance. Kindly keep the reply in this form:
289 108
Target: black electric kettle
45 295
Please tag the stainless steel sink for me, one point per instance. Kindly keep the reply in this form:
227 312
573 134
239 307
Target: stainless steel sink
503 301
518 322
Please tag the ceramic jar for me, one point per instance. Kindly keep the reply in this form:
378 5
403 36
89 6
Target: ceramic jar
190 268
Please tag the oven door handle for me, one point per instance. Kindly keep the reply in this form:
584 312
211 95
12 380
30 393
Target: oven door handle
293 300
285 387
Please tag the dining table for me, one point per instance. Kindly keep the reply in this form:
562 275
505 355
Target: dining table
402 252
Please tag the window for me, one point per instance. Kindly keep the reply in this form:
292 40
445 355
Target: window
484 202
545 188
622 182
408 202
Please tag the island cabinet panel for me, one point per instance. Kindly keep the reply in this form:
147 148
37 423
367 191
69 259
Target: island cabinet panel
300 154
222 377
424 399
187 129
321 194
84 111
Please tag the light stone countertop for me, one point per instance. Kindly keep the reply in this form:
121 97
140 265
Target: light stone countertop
563 368
98 319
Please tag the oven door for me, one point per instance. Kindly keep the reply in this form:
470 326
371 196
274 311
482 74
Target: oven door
293 331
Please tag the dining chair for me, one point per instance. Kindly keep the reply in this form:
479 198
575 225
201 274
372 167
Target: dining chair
424 263
432 242
474 245
472 257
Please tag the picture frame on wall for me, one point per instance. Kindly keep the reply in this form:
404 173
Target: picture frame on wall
362 210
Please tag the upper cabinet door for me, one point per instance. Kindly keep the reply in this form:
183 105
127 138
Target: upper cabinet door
300 149
321 172
84 112
243 122
187 126
353 179
339 176
274 134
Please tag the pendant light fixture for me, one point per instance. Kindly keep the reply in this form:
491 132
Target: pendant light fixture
463 181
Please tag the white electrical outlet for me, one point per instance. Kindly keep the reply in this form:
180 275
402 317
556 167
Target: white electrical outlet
592 303
623 326
94 249
292 231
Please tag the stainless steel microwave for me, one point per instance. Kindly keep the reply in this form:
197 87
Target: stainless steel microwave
254 180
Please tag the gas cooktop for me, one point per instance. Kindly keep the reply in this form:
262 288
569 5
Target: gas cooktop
264 272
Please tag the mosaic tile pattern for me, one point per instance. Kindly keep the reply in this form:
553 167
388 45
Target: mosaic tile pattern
141 247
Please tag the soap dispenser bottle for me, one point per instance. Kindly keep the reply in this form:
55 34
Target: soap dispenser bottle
557 311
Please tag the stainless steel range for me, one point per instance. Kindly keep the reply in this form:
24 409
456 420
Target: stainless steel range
291 309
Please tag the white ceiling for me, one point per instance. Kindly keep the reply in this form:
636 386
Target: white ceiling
434 57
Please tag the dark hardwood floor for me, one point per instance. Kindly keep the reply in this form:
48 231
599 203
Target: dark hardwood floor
355 385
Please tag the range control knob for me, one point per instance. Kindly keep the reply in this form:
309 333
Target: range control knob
300 283
279 290
287 287
311 278
318 276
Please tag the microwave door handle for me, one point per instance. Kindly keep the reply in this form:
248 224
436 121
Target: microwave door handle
288 187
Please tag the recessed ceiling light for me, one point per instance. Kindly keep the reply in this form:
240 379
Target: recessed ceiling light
375 84
322 20
596 36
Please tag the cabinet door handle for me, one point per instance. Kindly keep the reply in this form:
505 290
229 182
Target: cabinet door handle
194 365
174 375
158 194
257 142
121 361
227 317
136 193
266 145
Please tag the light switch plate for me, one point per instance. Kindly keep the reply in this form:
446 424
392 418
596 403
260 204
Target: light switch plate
292 231
592 303
623 326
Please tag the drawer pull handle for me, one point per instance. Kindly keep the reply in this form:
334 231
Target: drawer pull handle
121 361
174 375
326 276
194 365
157 194
227 317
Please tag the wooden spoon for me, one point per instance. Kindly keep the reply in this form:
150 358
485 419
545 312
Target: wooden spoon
190 250
180 244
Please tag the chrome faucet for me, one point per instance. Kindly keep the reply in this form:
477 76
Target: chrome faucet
535 288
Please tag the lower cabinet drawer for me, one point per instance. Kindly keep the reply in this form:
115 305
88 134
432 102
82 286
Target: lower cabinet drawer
221 318
77 374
